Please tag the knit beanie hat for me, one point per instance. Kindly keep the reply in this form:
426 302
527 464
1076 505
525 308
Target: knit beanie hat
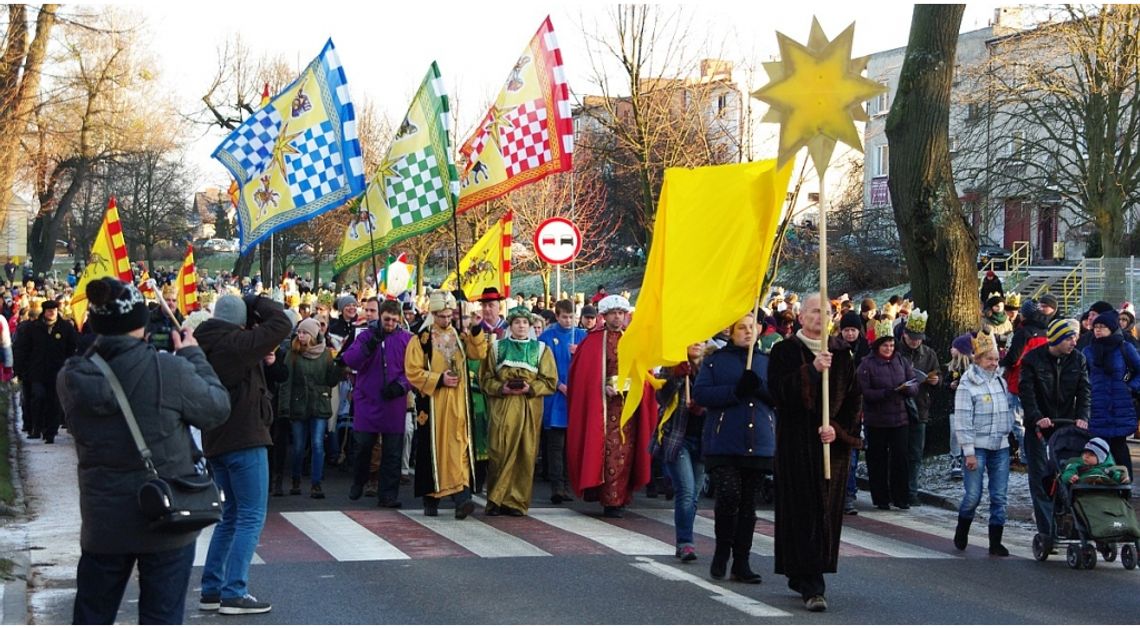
1028 308
994 299
115 308
231 308
1100 307
310 326
1099 448
1109 319
1050 300
851 319
964 344
1061 329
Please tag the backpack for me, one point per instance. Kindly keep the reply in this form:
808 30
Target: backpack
1013 374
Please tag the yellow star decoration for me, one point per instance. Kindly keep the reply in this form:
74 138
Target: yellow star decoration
816 92
284 146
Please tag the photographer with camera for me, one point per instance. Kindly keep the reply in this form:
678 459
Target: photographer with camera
168 392
380 401
242 336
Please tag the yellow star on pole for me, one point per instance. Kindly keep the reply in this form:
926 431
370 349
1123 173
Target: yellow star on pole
816 92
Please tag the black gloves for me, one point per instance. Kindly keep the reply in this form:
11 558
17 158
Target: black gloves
476 329
748 386
374 341
393 391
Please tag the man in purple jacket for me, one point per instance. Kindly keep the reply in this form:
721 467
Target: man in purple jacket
380 399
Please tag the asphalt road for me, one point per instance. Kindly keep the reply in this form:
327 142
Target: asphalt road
334 561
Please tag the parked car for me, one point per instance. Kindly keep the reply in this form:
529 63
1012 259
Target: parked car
989 250
219 245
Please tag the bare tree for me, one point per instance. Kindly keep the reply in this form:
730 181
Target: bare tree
939 242
151 189
1053 121
655 115
20 71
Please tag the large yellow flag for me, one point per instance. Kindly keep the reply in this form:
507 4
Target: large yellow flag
108 259
187 284
712 240
488 263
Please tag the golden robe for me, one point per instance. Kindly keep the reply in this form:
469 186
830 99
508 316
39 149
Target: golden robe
445 460
515 424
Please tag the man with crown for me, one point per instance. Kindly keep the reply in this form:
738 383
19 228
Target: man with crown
924 359
436 366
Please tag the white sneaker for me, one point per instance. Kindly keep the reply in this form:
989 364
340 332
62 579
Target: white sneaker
247 605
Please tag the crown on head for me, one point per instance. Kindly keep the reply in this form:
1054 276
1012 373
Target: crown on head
884 328
916 322
984 343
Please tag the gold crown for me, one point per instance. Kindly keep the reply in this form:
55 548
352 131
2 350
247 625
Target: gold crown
984 343
884 328
307 298
325 298
1013 301
916 322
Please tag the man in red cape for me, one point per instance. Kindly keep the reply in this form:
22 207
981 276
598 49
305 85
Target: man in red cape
607 462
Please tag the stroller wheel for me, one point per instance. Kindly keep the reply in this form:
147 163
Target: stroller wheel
1107 550
1128 556
1042 545
1073 557
1088 556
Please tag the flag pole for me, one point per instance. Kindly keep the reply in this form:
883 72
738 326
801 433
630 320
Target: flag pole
371 247
455 234
825 316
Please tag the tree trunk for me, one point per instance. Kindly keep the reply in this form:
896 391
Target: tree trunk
19 89
939 243
244 263
45 228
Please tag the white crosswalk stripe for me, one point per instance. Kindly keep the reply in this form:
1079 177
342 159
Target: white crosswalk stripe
761 545
1018 544
475 536
203 548
618 539
740 602
343 538
883 545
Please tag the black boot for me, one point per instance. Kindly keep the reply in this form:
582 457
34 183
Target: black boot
996 548
719 565
962 533
741 547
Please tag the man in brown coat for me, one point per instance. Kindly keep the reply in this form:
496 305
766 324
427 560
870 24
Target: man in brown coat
809 509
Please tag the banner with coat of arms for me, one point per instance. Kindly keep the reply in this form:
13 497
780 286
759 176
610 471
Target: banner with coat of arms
108 258
416 187
298 156
488 263
527 134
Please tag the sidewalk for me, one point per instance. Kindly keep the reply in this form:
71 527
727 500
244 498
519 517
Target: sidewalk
43 544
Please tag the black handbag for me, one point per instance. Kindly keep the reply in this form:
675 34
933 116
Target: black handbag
173 505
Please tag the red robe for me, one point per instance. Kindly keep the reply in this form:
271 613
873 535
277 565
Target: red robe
592 428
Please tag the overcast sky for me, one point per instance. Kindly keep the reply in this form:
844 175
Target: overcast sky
386 46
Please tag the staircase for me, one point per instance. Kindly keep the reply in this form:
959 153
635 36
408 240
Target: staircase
1069 285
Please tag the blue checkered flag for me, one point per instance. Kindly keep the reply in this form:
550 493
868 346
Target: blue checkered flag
299 156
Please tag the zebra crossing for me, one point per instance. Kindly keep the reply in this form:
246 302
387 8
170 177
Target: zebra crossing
395 535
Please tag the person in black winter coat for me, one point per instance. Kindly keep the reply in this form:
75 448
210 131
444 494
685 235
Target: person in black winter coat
39 350
991 285
738 442
167 392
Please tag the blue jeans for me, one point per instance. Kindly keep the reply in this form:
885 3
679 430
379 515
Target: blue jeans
688 475
304 431
1035 461
163 580
244 476
995 465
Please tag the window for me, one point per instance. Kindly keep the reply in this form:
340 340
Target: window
952 144
721 104
973 111
882 161
813 197
881 105
1016 144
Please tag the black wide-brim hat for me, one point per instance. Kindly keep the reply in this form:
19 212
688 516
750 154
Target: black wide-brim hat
490 294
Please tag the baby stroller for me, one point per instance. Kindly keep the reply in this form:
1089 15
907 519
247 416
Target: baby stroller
1087 517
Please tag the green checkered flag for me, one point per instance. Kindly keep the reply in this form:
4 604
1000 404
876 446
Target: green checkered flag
416 187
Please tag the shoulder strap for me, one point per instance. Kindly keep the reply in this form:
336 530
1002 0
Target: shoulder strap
125 406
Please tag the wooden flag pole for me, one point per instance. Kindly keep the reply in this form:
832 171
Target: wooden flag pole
752 347
825 316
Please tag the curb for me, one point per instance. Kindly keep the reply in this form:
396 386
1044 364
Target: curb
14 609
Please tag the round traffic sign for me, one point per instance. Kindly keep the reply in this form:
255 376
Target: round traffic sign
557 241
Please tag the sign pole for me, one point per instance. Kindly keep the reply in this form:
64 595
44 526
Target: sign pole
557 283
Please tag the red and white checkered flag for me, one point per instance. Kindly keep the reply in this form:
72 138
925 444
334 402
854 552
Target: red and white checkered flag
526 144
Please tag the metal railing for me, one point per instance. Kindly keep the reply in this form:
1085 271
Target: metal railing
1013 266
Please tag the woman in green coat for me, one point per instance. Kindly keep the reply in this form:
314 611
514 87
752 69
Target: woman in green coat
305 398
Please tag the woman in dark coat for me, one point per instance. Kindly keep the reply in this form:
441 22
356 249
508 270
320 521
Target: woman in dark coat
738 441
885 378
1114 376
809 509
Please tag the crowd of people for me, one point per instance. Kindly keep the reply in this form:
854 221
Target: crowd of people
458 397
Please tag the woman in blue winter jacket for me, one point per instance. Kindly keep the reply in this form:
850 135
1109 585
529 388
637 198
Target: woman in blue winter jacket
738 442
1114 376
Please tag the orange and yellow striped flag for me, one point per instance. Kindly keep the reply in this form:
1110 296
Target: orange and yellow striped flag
108 258
187 284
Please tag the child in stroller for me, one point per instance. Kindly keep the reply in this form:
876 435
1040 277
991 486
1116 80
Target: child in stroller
1089 515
